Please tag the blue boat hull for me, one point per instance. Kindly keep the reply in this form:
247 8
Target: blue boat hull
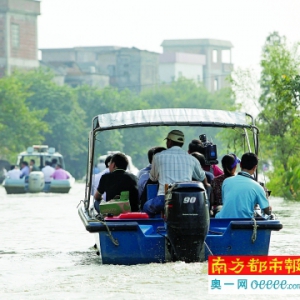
142 241
238 237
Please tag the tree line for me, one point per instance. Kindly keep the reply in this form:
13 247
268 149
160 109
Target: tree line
278 117
35 110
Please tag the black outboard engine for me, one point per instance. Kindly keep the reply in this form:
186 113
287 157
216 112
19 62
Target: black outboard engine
187 218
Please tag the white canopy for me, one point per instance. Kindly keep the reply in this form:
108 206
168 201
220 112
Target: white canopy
172 117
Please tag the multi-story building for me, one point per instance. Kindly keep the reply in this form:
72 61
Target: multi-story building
130 68
218 65
173 65
18 35
203 60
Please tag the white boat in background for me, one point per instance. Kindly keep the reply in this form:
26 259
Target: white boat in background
131 168
34 183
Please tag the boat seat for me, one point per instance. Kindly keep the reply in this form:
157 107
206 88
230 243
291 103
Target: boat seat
129 215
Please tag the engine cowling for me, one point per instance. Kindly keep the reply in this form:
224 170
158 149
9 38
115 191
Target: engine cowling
187 219
36 182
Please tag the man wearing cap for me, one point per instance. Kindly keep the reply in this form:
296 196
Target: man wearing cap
241 193
169 166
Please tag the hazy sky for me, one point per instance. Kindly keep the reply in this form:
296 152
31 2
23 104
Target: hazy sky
145 24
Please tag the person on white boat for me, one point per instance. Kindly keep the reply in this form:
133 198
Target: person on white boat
170 166
60 173
14 172
96 178
24 169
33 167
48 171
54 162
242 192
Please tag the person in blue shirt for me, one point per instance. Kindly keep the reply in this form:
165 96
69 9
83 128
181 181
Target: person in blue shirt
147 169
24 169
144 178
242 193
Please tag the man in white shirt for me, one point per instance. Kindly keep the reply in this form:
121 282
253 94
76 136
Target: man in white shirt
96 178
14 172
48 171
169 166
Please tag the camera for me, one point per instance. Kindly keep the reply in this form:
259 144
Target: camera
209 150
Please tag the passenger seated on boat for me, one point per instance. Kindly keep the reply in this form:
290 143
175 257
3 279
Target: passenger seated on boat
96 178
116 181
14 172
142 181
24 169
48 171
197 146
33 167
241 193
170 166
60 173
229 165
53 162
209 176
148 168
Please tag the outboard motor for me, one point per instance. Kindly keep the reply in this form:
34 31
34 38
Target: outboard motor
187 219
36 182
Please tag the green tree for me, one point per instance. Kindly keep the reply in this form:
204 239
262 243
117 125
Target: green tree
279 117
65 118
19 125
183 93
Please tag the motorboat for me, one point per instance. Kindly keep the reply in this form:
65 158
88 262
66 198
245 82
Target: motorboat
35 183
185 231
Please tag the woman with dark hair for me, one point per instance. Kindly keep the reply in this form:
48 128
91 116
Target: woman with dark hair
229 164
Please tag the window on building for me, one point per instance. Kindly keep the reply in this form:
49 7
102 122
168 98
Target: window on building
226 57
215 56
15 36
216 84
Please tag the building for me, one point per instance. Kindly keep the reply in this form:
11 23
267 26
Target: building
120 67
218 64
173 65
18 35
203 60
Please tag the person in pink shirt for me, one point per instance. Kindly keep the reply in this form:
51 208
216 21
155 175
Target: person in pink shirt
59 173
